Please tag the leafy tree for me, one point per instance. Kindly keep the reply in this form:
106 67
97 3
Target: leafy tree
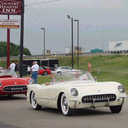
14 49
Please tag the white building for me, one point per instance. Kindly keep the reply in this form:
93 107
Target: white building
118 45
67 50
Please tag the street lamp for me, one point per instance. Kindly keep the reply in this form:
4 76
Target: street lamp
44 30
71 18
78 49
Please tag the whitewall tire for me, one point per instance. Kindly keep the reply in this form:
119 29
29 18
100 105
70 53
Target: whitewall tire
116 109
64 105
34 103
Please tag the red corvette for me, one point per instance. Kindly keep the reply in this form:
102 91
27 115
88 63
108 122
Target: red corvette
44 71
11 85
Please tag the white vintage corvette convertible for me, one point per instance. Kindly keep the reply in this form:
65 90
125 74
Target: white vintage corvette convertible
66 93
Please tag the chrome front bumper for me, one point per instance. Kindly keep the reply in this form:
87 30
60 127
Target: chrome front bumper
76 104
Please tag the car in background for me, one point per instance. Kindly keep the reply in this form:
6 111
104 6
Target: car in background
1 69
65 69
11 85
69 92
43 70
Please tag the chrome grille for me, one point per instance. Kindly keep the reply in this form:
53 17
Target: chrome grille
15 88
99 98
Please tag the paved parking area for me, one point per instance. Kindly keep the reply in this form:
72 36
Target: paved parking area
17 113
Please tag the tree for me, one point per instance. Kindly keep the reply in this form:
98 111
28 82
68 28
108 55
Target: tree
14 49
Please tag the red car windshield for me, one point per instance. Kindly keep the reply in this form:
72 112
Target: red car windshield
43 67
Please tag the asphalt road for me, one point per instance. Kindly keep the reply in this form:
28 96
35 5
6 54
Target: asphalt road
17 113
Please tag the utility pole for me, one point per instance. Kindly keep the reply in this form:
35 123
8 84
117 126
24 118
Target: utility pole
22 40
78 47
72 46
44 31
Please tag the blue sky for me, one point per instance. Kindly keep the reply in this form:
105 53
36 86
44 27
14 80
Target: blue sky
100 22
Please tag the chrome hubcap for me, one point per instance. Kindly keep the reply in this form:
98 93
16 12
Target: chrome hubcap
64 104
33 100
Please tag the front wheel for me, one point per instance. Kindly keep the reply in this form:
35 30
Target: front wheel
34 103
116 109
59 73
65 109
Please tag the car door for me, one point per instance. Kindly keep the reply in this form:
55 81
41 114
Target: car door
52 95
68 69
47 95
42 95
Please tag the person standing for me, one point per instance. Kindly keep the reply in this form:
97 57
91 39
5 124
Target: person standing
28 70
17 67
12 66
34 69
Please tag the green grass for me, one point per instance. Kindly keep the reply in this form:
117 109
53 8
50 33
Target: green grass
44 79
105 68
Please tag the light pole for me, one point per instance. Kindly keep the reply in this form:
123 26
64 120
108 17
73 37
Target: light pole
78 49
44 30
71 18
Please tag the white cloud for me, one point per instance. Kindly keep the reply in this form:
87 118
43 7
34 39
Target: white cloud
53 16
98 3
79 3
107 3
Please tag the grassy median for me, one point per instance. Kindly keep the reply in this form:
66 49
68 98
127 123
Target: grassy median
104 68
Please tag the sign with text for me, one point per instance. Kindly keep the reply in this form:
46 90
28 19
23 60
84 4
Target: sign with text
12 24
10 7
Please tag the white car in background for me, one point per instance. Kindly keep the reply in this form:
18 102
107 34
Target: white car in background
66 69
68 92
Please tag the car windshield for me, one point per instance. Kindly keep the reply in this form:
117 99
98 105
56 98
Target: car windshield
7 73
77 76
43 67
66 67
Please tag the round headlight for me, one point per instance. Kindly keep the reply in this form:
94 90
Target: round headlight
74 92
121 89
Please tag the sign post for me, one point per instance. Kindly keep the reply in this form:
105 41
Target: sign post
22 39
11 24
10 7
14 7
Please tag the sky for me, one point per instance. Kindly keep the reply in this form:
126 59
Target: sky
100 22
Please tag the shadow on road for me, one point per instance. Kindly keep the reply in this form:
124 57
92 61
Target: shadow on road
3 125
78 112
21 97
91 112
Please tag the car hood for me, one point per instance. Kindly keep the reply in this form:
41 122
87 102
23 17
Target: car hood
14 81
92 86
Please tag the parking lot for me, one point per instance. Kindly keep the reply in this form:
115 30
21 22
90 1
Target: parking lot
17 113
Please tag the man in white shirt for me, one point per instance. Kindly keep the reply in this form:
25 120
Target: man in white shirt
12 66
34 69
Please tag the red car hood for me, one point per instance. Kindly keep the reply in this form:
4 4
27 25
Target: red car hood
14 81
